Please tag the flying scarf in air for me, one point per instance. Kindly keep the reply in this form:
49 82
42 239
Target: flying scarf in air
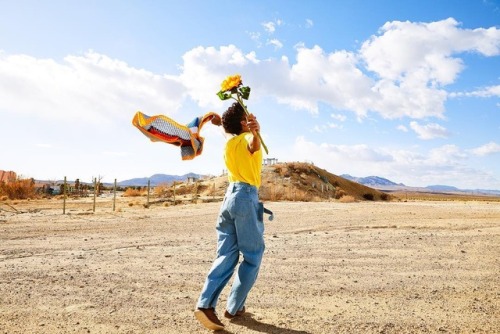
164 129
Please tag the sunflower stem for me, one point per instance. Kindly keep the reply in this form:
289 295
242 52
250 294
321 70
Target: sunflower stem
240 101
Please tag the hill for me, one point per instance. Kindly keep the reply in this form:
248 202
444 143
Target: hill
296 181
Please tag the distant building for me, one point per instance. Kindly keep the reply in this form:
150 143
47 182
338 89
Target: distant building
269 161
7 176
192 179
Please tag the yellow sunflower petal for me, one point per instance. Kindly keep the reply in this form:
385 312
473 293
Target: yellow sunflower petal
231 82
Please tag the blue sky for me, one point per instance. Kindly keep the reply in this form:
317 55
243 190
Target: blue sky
406 90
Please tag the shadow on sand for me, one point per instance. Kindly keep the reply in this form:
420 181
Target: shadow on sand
262 327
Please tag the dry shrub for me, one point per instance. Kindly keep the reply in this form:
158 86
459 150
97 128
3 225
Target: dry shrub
339 193
184 189
211 191
163 190
130 203
368 196
284 193
130 192
4 198
18 189
347 199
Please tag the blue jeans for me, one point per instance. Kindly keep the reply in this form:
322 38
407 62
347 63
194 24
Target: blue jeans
240 228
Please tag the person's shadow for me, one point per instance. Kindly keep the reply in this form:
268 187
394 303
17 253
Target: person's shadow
262 327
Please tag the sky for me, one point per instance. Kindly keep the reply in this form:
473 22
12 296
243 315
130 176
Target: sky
405 90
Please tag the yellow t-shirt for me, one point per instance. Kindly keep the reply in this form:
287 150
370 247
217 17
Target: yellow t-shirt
243 166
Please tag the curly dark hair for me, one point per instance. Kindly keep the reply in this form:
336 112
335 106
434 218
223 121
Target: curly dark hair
232 117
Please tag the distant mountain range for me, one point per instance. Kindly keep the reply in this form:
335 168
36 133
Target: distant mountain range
375 182
371 181
385 184
157 179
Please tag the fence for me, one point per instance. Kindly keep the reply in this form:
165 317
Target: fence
175 194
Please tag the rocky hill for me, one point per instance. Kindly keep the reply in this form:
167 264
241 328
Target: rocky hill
296 181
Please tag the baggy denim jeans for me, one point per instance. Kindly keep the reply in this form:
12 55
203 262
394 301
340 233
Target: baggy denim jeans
240 228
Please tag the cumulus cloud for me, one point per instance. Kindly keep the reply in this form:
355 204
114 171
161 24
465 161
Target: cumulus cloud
90 88
414 61
270 26
414 167
491 91
486 149
400 72
276 43
402 128
429 131
338 117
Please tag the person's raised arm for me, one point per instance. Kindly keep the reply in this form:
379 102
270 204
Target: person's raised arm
254 127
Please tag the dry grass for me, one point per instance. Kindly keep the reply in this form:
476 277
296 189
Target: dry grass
131 192
429 196
18 189
347 199
299 182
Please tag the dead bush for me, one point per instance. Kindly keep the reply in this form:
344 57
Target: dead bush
163 190
368 196
131 192
18 189
339 193
347 199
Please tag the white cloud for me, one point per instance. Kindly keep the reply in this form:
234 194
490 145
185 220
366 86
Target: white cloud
332 125
446 155
90 88
276 43
255 36
491 91
402 128
429 131
442 165
204 69
270 27
412 61
338 117
405 49
309 23
486 149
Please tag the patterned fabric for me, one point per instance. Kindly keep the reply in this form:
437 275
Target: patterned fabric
165 129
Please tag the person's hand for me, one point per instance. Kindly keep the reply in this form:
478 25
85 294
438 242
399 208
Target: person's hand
216 120
253 124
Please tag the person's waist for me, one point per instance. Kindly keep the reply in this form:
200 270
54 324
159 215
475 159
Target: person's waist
238 185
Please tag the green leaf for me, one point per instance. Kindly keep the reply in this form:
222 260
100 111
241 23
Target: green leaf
245 92
223 95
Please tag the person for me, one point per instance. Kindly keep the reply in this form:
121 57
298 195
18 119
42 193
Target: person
240 227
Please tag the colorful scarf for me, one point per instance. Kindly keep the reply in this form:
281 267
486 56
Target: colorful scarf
165 129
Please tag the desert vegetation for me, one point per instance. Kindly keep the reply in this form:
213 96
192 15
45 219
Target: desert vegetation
18 189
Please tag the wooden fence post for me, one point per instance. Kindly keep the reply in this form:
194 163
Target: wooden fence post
95 195
149 186
114 196
174 192
64 196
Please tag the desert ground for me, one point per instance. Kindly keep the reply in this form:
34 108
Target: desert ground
329 267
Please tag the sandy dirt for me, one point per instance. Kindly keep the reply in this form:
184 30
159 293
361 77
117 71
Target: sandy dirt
366 267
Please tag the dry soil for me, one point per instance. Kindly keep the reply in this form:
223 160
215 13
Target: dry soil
329 267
